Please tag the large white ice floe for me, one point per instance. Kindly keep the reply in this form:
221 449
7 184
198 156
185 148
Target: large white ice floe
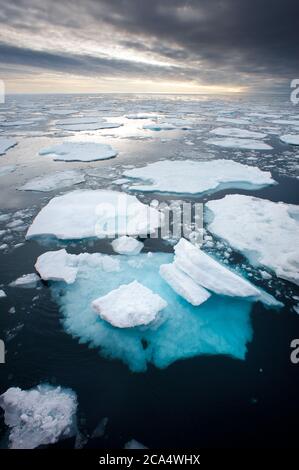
40 416
79 151
220 325
6 143
94 213
265 232
53 181
193 177
234 142
208 273
235 132
127 245
27 281
129 305
291 139
62 266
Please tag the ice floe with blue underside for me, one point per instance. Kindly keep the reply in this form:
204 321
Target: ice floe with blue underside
265 232
220 325
6 143
235 132
234 142
159 126
53 181
79 151
193 177
40 416
291 139
94 214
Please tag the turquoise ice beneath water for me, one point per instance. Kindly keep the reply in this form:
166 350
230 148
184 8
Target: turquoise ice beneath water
219 326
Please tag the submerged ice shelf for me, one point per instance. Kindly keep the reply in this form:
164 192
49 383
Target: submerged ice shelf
193 177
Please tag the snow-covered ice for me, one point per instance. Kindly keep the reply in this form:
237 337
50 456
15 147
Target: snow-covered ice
291 139
40 416
94 213
127 246
235 132
27 281
53 181
265 232
183 284
79 151
159 126
86 124
193 177
6 143
5 170
232 142
233 120
129 305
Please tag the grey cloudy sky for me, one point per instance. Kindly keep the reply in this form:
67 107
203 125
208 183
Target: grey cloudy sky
142 45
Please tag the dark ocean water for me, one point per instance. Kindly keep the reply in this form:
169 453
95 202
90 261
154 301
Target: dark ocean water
214 401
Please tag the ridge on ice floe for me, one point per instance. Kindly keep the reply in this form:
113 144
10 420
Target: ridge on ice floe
193 177
59 179
129 305
79 151
94 213
40 416
265 232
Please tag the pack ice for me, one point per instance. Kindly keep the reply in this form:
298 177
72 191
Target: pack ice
193 177
239 133
40 416
291 139
233 142
219 325
94 213
86 124
79 151
53 181
265 232
6 143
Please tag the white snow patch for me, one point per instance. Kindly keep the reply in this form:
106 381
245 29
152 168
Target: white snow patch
159 126
129 305
79 151
127 246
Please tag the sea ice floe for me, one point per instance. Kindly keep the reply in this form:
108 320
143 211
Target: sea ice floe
286 122
6 143
127 246
86 124
194 177
40 416
141 116
94 213
235 132
79 151
221 325
159 126
291 139
53 181
2 294
233 142
27 281
129 305
61 112
5 170
233 120
62 266
265 232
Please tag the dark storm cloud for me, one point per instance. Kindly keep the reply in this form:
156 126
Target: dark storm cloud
212 40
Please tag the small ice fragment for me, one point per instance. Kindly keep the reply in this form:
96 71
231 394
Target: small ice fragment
27 281
2 294
127 245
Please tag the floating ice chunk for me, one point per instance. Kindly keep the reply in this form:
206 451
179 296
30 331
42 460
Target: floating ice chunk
235 132
62 266
100 213
286 122
265 232
5 170
79 151
133 444
290 139
183 284
296 308
247 144
2 294
193 177
39 416
141 116
78 120
21 122
129 305
233 120
61 112
159 126
53 181
221 325
127 246
86 124
56 266
27 281
209 273
6 143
